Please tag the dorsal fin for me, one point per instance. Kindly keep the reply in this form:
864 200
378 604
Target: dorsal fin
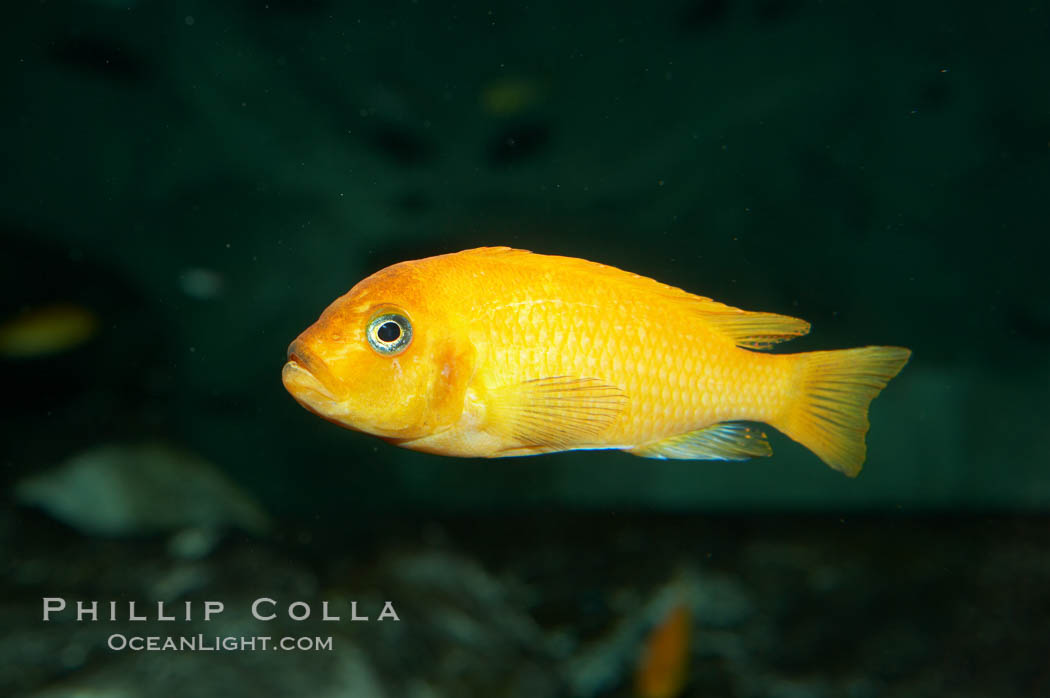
752 330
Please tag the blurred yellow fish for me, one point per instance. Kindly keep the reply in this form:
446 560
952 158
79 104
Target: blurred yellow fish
509 96
47 330
662 671
501 352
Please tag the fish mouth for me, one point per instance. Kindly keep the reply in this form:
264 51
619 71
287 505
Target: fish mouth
307 378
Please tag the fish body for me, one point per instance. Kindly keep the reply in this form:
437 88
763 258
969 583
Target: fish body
499 352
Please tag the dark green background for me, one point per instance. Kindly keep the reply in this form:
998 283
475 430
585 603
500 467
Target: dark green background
881 170
878 170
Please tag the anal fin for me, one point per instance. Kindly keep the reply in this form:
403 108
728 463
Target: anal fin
725 441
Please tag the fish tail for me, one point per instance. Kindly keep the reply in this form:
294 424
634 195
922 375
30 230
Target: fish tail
829 414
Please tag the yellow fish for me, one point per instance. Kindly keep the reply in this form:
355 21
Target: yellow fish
500 352
662 670
47 330
511 96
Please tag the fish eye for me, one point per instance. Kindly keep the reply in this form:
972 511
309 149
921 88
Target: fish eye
389 333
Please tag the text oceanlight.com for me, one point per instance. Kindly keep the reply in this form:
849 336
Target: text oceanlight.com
204 643
169 615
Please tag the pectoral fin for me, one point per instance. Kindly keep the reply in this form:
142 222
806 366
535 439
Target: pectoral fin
555 413
725 441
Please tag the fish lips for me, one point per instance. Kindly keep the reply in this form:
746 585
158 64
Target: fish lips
308 380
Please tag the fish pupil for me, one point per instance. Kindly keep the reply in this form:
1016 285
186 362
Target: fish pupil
389 332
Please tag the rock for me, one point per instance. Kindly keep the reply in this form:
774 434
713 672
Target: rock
128 490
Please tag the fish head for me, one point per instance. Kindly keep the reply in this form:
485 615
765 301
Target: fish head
387 358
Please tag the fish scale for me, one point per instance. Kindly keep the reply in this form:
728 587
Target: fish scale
666 394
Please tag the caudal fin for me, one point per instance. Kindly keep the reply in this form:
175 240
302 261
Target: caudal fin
835 388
